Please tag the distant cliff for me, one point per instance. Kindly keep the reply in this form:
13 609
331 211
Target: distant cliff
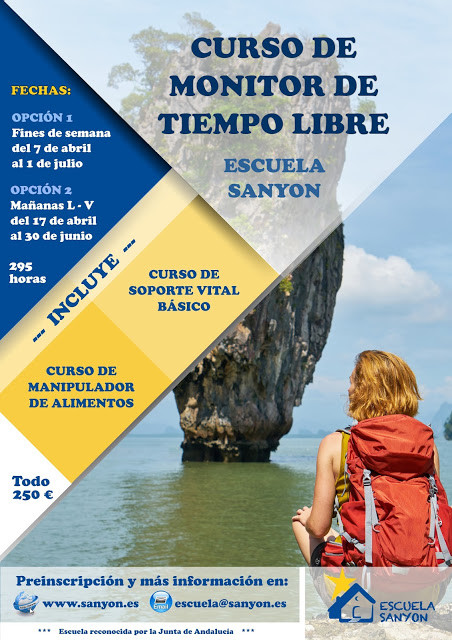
238 402
448 428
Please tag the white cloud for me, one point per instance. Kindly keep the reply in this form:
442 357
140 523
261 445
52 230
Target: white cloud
434 313
379 282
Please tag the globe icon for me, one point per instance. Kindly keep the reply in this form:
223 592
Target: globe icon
25 603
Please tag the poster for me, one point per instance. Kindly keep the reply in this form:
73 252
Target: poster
209 211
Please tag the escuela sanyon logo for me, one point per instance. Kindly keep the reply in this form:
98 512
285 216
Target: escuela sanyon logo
25 603
357 605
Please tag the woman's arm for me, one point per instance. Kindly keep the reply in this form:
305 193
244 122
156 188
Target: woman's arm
318 522
436 459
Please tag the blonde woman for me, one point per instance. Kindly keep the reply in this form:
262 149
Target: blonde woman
399 451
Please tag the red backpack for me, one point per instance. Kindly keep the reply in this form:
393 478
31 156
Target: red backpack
397 513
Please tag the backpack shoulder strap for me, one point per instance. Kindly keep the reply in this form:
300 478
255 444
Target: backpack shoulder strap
342 493
344 430
435 523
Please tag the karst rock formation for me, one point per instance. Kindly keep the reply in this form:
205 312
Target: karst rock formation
237 403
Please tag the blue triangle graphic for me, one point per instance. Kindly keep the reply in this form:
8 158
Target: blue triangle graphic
117 173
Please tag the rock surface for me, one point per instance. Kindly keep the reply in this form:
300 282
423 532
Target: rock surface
238 402
439 627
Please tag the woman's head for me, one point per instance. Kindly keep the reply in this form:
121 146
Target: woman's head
382 384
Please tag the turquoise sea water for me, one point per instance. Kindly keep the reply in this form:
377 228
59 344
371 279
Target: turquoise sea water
142 507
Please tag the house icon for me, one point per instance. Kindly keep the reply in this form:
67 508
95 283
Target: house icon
356 605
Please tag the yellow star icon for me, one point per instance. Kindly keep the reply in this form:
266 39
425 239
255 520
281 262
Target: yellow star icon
342 584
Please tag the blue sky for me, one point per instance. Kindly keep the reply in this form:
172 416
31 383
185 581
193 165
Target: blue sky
400 304
407 48
397 284
396 293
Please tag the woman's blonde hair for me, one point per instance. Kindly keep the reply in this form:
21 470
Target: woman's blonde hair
384 385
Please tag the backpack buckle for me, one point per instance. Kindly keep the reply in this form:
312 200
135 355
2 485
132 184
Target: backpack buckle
433 489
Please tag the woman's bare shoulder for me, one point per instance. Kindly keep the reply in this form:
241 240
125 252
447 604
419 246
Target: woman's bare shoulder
331 443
